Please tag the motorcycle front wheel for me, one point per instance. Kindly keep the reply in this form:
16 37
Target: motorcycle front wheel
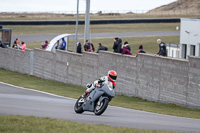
78 106
101 106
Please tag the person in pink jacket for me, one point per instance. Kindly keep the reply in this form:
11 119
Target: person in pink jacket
23 47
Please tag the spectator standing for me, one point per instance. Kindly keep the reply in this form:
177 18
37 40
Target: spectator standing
127 45
15 45
89 46
141 50
115 45
63 44
44 45
101 47
162 48
125 50
86 46
23 47
79 49
119 48
17 41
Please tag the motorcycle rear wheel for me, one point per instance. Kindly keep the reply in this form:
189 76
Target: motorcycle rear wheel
101 106
78 106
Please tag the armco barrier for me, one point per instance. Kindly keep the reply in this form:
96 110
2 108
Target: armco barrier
159 79
81 22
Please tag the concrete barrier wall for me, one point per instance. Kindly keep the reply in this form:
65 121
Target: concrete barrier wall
158 79
193 90
63 66
15 60
126 67
90 64
162 79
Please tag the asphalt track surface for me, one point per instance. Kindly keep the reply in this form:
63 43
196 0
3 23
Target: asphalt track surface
27 102
38 38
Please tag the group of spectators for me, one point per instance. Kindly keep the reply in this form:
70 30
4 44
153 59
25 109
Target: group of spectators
17 45
89 47
60 46
119 47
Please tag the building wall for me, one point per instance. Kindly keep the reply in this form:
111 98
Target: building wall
190 31
159 79
190 36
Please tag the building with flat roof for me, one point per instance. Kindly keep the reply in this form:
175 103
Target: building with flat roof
189 37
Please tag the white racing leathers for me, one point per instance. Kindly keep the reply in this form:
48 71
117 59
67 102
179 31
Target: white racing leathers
99 83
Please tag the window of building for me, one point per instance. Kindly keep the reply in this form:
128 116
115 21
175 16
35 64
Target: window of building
184 51
192 50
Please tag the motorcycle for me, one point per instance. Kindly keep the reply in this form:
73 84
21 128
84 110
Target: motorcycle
97 101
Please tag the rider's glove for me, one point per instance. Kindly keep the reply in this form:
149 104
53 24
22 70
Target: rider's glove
88 85
96 84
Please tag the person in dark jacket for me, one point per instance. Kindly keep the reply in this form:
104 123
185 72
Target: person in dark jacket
162 47
115 45
127 45
101 47
141 50
119 48
79 49
89 47
125 50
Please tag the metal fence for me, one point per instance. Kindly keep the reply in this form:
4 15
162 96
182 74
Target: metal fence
114 12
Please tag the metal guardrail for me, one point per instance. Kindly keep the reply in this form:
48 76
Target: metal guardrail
81 22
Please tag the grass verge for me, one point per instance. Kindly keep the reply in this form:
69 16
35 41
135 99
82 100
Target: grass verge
75 91
30 124
105 28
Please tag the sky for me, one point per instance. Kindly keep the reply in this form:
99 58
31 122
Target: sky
71 5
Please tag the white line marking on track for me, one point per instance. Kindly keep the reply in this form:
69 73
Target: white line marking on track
36 91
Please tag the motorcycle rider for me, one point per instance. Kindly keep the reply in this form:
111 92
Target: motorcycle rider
110 80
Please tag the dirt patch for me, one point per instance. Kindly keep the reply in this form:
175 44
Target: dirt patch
179 7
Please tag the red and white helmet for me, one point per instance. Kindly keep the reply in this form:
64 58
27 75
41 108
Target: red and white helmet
112 76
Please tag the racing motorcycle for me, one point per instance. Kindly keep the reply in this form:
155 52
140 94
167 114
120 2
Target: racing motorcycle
97 101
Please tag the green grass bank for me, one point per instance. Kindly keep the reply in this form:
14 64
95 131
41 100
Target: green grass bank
31 124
